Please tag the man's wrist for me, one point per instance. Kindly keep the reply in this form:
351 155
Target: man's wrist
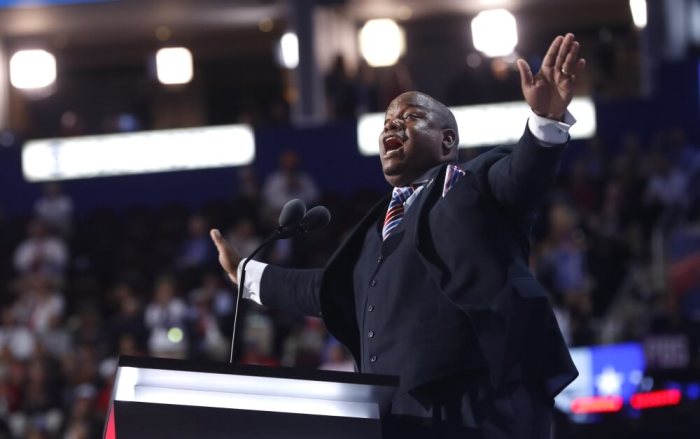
253 271
555 117
549 131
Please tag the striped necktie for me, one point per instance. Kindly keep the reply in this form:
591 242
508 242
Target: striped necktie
394 214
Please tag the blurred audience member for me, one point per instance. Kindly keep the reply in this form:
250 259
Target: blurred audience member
83 421
304 347
206 338
242 235
247 200
562 266
39 303
56 340
366 89
129 318
258 334
166 320
41 252
667 184
16 340
55 209
340 91
666 193
685 154
596 159
212 288
584 191
289 182
196 251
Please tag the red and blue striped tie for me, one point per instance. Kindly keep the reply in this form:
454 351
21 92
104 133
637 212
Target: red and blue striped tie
394 214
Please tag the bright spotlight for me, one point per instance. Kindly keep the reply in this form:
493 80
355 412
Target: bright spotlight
495 32
174 65
382 42
31 69
289 50
639 13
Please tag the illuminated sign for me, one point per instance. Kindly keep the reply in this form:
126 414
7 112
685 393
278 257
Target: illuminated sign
485 125
659 398
597 404
138 153
608 376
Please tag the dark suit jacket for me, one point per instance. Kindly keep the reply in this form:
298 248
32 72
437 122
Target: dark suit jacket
474 244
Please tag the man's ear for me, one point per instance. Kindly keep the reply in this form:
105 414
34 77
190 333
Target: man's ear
449 140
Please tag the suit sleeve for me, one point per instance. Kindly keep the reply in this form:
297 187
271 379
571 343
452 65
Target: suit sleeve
292 290
520 180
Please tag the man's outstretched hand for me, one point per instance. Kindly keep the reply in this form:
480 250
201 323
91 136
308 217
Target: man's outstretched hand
228 257
550 91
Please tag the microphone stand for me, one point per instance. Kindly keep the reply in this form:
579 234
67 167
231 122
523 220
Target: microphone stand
279 233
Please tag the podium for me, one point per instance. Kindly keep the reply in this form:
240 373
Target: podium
157 398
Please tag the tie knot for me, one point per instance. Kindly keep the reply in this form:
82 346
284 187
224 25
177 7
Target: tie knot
402 194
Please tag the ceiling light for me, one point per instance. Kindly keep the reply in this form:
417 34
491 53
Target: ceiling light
382 42
32 69
639 13
495 32
289 50
174 65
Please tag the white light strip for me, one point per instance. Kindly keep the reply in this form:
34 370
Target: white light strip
138 153
265 403
245 392
485 125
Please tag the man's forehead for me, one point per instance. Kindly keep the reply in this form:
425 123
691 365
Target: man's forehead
418 100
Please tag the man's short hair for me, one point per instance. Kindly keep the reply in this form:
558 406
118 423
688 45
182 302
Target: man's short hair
447 117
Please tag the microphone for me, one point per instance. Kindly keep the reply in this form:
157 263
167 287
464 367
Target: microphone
291 216
315 218
293 219
292 212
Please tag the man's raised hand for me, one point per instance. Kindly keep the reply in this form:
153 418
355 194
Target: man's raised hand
228 257
550 91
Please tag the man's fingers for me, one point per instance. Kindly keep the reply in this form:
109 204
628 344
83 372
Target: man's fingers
580 67
526 78
571 60
563 51
551 55
228 257
219 240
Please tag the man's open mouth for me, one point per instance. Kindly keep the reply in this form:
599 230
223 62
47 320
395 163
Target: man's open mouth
392 144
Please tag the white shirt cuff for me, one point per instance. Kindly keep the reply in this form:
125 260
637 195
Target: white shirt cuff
253 276
551 132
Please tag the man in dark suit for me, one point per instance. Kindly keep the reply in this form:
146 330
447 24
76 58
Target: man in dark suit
433 285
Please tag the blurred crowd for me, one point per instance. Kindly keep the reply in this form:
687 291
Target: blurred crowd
617 245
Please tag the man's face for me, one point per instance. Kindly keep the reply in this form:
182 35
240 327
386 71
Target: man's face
413 139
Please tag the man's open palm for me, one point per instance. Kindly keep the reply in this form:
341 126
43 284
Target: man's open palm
550 91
